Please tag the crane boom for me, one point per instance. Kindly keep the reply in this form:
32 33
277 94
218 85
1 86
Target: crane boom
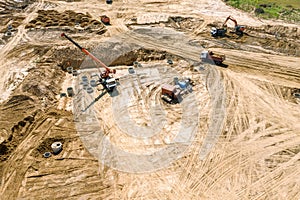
107 69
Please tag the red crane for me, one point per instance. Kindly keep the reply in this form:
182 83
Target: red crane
107 71
108 82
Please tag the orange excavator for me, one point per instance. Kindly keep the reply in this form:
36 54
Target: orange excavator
239 30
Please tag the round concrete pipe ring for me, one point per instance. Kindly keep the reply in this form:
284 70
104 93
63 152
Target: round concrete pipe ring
75 72
135 63
89 90
170 62
47 154
84 78
69 70
93 83
56 147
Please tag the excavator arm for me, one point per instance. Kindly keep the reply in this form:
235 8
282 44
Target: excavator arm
232 19
238 29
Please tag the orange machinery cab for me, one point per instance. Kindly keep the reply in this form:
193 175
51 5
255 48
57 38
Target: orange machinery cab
105 20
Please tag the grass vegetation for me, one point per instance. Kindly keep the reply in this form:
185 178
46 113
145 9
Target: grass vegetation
279 9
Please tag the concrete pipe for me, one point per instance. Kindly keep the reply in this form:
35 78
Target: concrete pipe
47 154
56 147
70 70
135 63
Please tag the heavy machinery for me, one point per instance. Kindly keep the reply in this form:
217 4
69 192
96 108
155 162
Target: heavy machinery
170 93
215 32
175 93
105 78
210 57
105 20
239 30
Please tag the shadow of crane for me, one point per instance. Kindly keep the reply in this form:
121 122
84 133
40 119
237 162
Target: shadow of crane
95 100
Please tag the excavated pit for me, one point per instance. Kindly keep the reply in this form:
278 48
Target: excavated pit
143 55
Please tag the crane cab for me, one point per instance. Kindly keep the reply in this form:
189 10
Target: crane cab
110 84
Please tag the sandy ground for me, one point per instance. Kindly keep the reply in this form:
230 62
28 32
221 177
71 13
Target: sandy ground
236 136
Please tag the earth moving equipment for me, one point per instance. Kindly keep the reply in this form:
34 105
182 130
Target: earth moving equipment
175 93
215 32
170 93
105 20
221 32
108 82
210 57
239 30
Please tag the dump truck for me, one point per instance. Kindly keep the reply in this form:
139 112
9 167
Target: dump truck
211 57
170 93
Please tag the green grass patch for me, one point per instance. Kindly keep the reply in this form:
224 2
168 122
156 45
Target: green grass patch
284 3
288 10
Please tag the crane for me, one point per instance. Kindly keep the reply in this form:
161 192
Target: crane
239 30
106 80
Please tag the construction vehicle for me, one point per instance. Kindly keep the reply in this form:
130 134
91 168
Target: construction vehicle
105 20
105 78
175 93
238 29
221 32
210 57
170 94
215 32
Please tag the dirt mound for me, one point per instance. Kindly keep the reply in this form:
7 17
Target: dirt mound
10 6
141 55
281 39
278 31
3 149
75 21
186 24
32 96
19 125
15 22
67 57
17 99
8 10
